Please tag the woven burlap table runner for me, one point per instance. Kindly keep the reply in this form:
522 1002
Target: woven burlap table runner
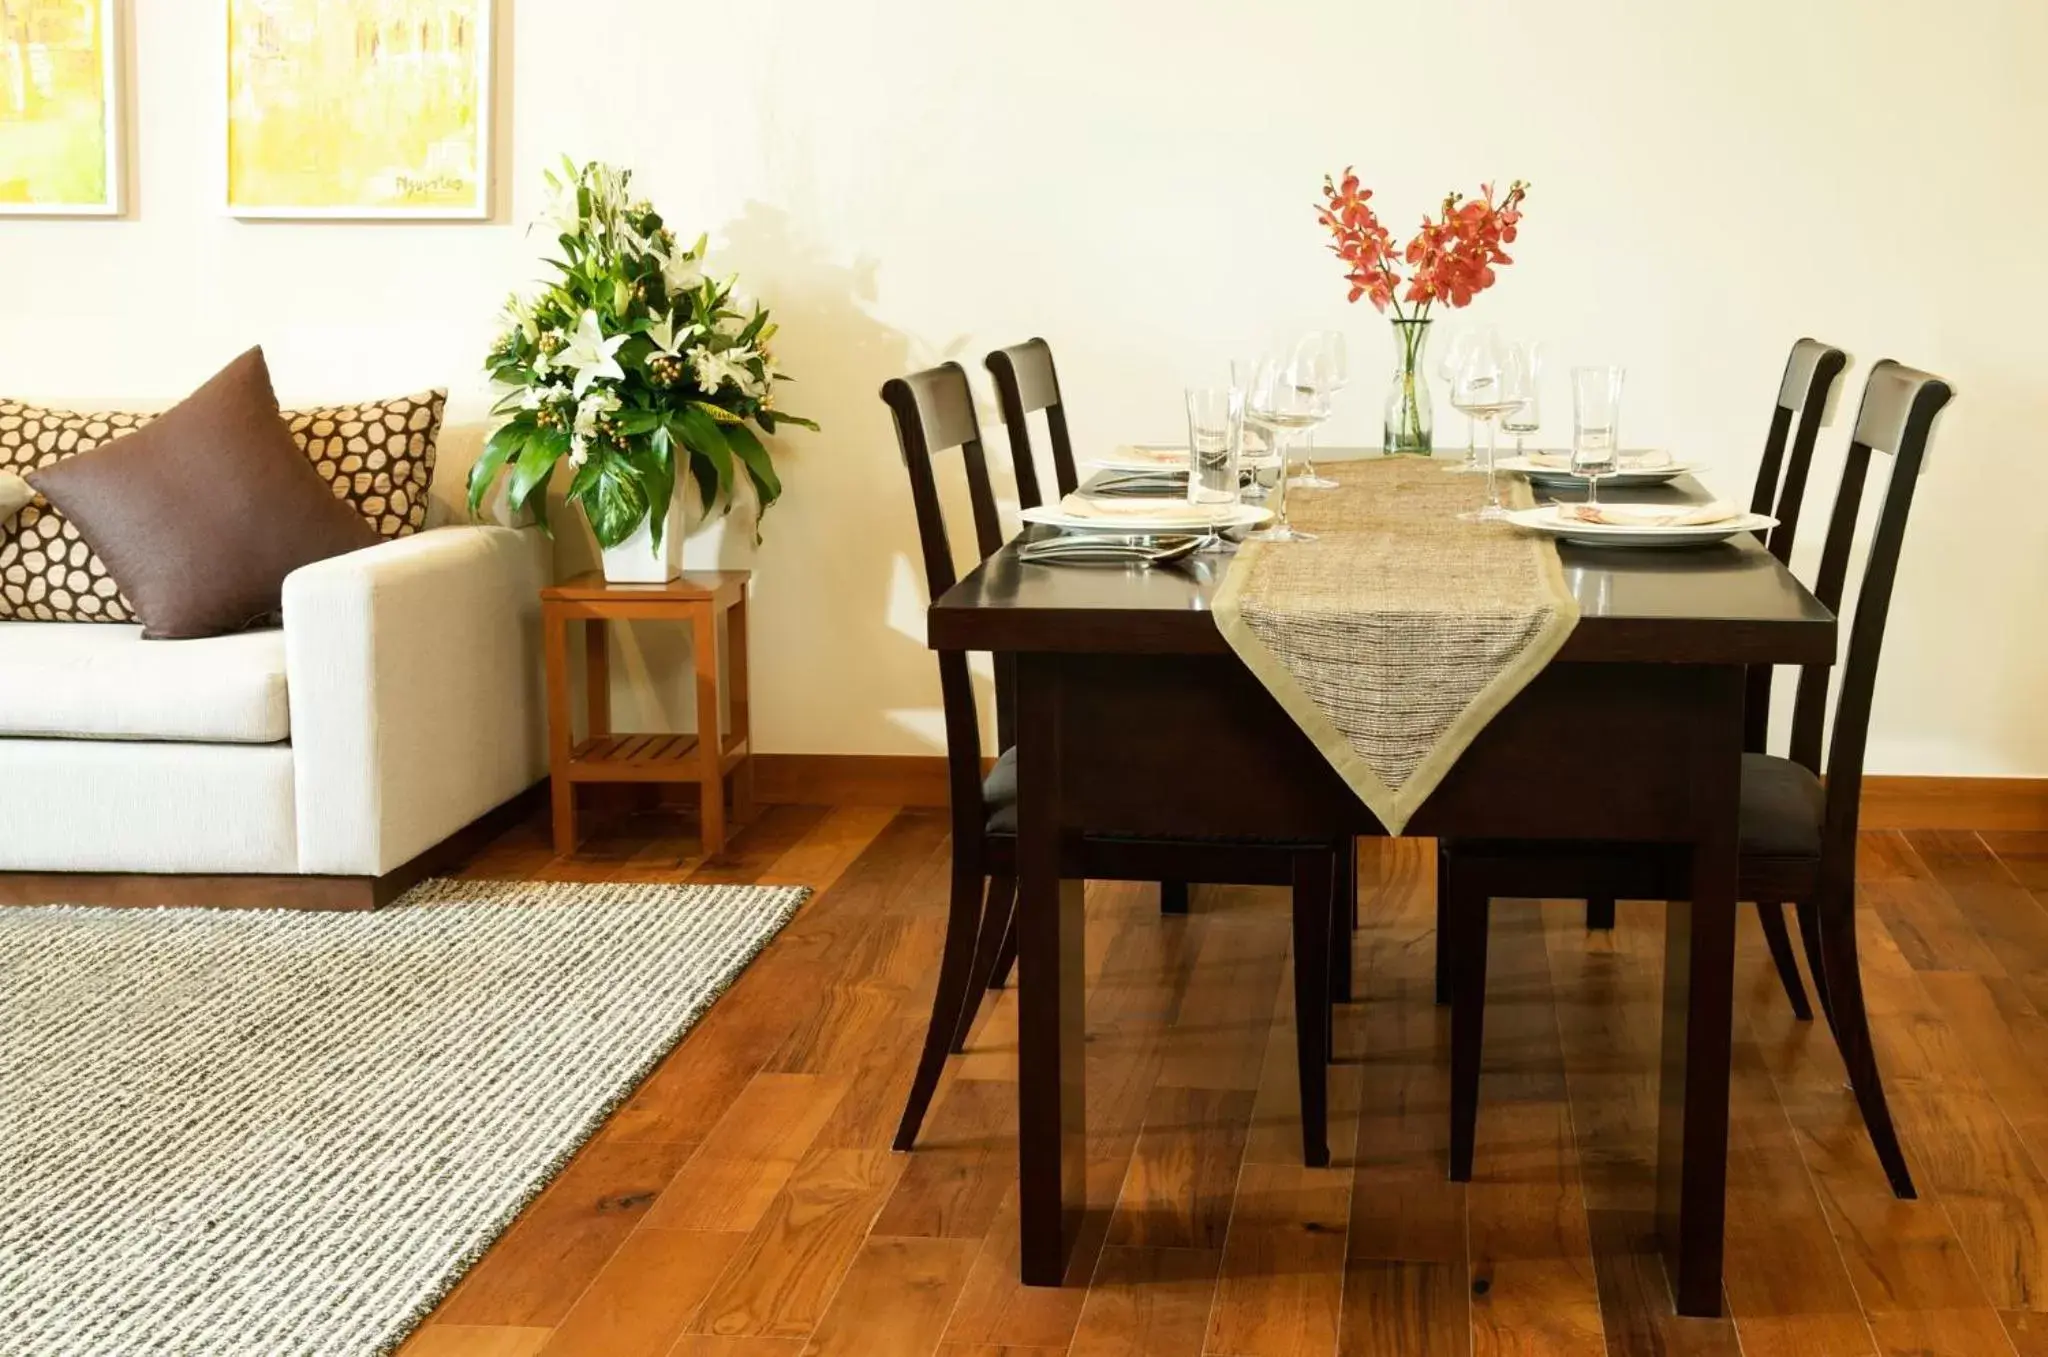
1395 636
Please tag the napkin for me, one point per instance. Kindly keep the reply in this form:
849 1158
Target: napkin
1176 510
1650 515
1152 456
1630 461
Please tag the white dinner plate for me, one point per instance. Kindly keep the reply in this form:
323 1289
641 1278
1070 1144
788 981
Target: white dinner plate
1544 519
1175 516
1628 475
1158 457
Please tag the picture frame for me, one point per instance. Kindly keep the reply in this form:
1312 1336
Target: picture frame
283 55
78 139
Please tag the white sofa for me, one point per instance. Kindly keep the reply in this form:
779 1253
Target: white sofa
401 700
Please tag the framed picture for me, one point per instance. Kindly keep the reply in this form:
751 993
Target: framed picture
60 108
359 109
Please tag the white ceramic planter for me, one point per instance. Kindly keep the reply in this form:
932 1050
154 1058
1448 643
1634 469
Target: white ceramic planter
636 561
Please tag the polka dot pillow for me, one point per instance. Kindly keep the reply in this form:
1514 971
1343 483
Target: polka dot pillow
379 457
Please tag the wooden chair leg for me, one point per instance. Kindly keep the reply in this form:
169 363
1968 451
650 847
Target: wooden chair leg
1772 916
1470 925
1809 938
1173 897
1600 912
1006 955
1346 919
956 965
995 923
1443 926
1852 1037
1314 905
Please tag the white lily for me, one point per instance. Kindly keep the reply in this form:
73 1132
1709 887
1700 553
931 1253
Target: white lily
667 339
540 394
591 408
682 271
714 370
590 355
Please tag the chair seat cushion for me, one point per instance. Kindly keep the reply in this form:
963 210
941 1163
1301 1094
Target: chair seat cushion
73 680
999 793
1783 809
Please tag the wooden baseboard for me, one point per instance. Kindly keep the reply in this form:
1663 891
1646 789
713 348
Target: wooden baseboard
2000 803
1990 803
850 779
150 890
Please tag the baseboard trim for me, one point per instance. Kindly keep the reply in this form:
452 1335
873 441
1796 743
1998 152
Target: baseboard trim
1889 802
152 890
1989 803
850 779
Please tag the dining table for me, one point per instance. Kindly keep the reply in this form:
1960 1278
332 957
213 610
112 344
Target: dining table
1134 716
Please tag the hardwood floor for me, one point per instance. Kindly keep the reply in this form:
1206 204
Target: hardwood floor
744 1202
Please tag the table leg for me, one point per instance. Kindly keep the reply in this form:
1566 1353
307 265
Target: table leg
1051 1094
736 682
597 677
1699 992
710 742
561 734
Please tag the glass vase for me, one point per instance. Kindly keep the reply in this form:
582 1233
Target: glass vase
1407 428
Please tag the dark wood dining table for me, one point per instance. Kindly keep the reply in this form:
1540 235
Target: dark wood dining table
1126 691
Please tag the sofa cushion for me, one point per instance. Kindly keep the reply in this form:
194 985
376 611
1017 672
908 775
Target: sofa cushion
201 514
378 456
66 680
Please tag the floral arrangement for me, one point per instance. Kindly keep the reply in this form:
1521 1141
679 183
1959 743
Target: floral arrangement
631 365
1451 258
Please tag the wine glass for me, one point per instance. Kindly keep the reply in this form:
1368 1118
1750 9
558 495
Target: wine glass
1329 357
1286 396
1492 381
1527 417
1596 421
1447 365
1255 457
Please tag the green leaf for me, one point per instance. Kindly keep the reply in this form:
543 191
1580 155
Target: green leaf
633 423
536 463
767 485
656 463
505 444
717 412
616 502
703 436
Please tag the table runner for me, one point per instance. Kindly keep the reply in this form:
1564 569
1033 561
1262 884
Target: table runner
1401 631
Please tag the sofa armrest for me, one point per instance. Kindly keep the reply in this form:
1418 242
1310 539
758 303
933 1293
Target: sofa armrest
413 674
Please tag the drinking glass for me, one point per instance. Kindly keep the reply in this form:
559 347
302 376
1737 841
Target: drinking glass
1215 435
1284 399
1255 449
1527 417
1492 381
1326 355
1448 362
1596 425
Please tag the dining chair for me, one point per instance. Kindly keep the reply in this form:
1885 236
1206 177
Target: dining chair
1806 393
934 413
1026 383
1797 831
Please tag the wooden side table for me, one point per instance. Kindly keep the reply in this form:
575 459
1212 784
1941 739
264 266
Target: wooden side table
706 758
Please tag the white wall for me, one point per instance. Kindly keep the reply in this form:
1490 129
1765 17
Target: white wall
908 180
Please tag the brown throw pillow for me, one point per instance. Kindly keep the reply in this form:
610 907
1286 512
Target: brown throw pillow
201 514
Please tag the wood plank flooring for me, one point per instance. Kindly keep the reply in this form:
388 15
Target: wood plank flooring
745 1203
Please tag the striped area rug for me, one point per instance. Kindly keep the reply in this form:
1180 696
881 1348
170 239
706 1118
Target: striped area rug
268 1132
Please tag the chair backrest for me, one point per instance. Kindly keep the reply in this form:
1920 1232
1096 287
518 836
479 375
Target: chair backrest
1026 382
1805 393
934 412
1896 418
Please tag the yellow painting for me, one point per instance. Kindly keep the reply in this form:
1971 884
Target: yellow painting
59 117
359 108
